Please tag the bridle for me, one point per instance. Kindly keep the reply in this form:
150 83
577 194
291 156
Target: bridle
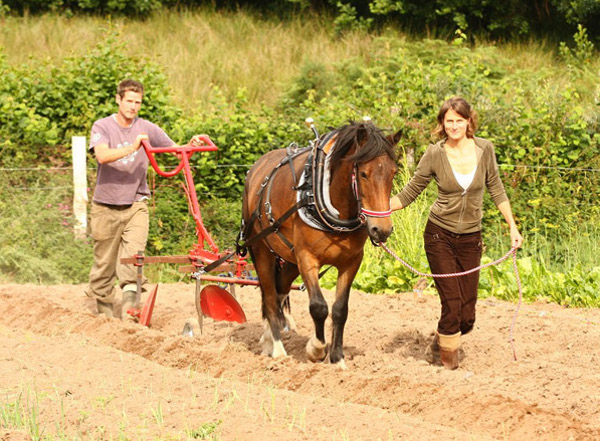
364 212
330 219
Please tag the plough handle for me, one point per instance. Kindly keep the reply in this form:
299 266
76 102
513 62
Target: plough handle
186 152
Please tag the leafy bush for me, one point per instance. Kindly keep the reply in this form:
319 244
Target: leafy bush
575 288
506 19
583 51
104 7
544 124
44 105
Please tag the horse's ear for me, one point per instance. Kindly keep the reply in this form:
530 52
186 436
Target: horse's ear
393 139
361 133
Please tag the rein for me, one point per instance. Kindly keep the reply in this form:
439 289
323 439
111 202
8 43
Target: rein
513 252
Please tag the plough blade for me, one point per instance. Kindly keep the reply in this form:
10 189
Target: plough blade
219 304
146 312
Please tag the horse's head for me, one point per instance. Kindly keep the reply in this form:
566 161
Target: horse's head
374 158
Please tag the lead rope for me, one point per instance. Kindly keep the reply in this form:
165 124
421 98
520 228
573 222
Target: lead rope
512 251
514 320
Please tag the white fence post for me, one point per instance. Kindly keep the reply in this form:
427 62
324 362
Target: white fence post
80 197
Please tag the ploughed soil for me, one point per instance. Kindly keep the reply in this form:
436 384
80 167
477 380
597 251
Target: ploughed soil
76 375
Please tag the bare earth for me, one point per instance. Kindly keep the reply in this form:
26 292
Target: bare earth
96 378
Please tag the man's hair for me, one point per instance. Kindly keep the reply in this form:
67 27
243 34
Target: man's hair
129 85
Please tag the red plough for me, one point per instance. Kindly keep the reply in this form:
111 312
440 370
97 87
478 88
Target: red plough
212 300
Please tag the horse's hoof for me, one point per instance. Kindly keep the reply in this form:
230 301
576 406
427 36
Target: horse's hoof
341 364
278 350
290 323
315 350
267 350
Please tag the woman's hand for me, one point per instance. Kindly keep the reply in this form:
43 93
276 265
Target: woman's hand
516 240
395 203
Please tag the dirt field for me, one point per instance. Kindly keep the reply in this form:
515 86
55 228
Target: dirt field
96 378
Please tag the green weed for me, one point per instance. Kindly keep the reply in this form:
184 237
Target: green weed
205 432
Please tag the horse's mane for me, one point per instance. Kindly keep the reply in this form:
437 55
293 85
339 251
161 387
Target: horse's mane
355 133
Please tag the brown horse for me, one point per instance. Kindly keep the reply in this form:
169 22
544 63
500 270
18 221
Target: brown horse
344 182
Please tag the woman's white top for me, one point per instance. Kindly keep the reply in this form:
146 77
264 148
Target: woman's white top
464 180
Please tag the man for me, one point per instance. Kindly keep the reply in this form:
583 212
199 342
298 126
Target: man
119 213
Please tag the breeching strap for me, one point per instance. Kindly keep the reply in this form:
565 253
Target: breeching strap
512 251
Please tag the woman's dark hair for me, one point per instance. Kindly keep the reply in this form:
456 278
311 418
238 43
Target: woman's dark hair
464 109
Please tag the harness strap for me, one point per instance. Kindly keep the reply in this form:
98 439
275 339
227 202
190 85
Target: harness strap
372 213
291 150
275 225
269 213
330 220
216 263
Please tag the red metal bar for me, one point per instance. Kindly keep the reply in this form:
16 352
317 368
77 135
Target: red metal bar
236 281
221 301
185 152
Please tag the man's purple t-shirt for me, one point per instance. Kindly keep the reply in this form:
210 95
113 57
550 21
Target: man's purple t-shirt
124 181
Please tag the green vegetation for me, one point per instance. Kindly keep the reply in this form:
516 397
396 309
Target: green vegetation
20 414
507 19
206 431
538 102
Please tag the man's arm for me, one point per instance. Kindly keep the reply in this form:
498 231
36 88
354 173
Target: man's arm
104 154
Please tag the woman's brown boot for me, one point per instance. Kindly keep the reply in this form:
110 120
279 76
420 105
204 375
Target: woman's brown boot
449 345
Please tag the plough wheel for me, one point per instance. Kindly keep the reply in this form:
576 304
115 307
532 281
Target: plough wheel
214 302
217 303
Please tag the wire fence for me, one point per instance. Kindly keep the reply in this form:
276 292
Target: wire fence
247 166
62 171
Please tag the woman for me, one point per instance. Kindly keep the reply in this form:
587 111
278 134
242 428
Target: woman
462 166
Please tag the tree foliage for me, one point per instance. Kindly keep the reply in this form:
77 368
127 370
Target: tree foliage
491 19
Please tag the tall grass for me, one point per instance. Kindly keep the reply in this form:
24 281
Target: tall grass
21 413
197 49
232 50
50 37
37 242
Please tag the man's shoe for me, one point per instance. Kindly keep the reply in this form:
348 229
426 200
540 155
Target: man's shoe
105 308
129 298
